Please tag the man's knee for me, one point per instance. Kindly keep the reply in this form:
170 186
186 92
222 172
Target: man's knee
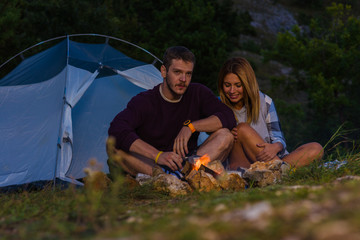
115 169
118 164
225 138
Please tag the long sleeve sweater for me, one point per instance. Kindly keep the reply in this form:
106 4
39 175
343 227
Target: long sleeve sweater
157 122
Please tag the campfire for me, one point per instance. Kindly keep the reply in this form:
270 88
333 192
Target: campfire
203 175
204 160
200 174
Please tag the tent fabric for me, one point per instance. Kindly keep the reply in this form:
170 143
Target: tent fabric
56 107
31 70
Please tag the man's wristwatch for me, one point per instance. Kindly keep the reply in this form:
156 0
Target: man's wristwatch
190 125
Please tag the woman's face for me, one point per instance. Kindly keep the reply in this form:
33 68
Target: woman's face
233 90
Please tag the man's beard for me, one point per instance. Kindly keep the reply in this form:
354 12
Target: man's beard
170 87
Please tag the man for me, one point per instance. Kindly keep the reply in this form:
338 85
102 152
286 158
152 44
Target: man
161 125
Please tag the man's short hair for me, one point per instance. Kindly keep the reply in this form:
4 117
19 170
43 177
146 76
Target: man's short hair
177 52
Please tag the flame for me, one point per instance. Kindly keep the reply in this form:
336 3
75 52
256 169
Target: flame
204 160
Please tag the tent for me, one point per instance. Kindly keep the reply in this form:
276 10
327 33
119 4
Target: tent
56 107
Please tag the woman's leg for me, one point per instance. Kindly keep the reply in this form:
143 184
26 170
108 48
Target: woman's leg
245 150
304 154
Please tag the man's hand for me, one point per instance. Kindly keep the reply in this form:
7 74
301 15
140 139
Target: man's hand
170 159
269 151
181 141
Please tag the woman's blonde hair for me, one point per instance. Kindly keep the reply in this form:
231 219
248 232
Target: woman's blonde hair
243 70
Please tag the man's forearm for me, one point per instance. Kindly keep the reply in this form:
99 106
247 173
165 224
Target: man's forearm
142 148
210 124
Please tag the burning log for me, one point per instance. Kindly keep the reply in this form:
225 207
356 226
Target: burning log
212 176
216 166
209 171
202 181
188 167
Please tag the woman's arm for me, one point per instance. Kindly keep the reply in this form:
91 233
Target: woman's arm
273 125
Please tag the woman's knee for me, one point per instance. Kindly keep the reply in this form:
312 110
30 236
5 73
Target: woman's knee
316 150
246 132
313 150
243 127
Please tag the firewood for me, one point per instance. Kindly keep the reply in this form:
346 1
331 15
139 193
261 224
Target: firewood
202 181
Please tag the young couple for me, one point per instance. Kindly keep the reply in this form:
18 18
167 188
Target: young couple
160 127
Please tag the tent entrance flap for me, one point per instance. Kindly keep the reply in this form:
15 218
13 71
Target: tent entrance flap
79 80
91 119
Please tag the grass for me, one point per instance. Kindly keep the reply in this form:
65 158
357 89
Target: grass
142 214
310 203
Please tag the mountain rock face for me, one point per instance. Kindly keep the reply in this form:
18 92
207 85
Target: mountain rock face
268 17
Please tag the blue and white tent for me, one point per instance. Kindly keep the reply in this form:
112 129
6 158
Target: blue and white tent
56 107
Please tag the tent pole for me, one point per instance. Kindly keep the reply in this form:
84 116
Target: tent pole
84 34
62 113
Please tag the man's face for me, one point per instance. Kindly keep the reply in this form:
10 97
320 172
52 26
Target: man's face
177 78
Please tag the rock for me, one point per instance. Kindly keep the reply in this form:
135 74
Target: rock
267 17
347 178
143 178
262 174
157 171
232 181
170 184
259 214
131 182
220 207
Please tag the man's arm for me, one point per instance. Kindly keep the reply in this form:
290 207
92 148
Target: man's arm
209 124
215 115
170 159
211 106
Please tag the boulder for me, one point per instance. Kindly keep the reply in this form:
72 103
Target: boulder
262 174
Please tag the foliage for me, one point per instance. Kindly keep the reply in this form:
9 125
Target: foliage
326 67
208 28
341 159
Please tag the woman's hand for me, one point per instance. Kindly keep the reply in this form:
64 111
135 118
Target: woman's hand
234 133
269 152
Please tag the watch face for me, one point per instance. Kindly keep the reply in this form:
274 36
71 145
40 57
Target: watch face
187 122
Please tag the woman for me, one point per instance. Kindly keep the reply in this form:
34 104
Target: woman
258 136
